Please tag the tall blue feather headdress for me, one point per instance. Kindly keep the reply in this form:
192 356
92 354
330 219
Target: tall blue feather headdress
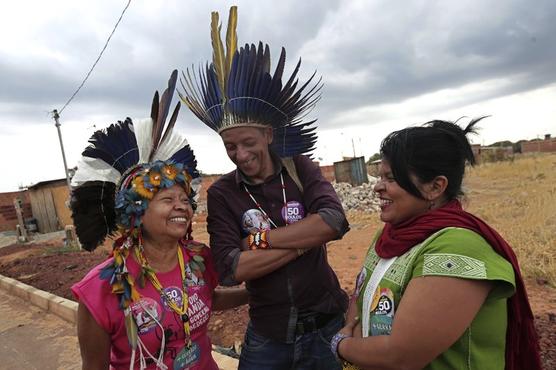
237 90
102 194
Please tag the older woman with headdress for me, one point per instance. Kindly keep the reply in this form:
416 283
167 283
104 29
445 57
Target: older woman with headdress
439 288
147 306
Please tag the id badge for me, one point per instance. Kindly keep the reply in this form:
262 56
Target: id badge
187 357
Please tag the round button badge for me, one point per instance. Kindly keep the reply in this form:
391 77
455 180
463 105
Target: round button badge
292 212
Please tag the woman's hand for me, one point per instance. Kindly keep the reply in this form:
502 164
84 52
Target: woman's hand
412 344
358 330
350 328
352 320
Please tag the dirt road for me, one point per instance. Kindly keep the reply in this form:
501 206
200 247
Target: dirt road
33 339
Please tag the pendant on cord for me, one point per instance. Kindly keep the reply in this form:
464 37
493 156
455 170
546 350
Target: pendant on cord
188 357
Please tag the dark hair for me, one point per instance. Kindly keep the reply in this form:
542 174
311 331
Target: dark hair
437 148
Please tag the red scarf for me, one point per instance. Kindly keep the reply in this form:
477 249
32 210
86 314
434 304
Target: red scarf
522 347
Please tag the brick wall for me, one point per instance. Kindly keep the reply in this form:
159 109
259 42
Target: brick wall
8 216
205 184
328 172
544 146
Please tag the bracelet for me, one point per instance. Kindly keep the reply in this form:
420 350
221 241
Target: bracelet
335 343
259 240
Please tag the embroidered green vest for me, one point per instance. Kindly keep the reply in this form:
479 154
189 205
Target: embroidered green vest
452 252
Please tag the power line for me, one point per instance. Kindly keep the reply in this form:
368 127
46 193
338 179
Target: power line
96 61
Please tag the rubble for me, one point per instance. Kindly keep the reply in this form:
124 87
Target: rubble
360 198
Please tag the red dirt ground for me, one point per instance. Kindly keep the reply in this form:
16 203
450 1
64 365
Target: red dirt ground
50 267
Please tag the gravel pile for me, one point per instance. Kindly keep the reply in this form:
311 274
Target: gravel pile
361 198
201 207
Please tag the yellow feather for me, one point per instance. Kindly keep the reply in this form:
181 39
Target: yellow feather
217 50
131 329
135 296
231 41
117 288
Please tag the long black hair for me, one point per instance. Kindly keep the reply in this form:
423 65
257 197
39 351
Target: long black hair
437 148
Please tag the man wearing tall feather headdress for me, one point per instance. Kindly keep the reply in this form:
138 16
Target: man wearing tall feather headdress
270 218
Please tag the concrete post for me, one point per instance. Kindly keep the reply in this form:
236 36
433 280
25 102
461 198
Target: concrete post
21 230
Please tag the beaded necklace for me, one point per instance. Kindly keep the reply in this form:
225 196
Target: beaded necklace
170 301
261 208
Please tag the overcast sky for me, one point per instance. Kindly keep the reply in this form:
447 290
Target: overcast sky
385 65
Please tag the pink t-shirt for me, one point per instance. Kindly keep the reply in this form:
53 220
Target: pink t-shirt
104 306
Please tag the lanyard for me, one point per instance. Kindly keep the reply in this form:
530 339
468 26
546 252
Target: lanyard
170 301
261 208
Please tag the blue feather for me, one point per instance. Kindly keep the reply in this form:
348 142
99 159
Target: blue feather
107 272
186 156
116 145
254 95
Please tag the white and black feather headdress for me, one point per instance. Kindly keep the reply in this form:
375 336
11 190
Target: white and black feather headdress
100 203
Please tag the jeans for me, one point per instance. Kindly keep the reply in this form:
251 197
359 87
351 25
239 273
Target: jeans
309 350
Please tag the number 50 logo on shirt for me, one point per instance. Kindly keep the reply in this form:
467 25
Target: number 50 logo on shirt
292 212
382 313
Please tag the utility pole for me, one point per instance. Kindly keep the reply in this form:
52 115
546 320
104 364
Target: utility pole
353 146
57 124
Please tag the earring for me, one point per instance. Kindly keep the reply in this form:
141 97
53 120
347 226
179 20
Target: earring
431 205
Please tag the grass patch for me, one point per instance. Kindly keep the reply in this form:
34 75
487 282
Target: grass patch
60 250
518 199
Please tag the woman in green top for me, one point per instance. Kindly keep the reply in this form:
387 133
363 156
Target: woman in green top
439 288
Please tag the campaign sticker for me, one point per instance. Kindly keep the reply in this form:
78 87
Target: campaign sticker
193 278
292 212
253 221
385 304
187 357
146 312
173 293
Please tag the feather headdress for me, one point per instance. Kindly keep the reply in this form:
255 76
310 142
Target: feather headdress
237 90
125 165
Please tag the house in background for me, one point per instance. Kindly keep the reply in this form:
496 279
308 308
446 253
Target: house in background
352 170
49 204
544 146
491 153
8 216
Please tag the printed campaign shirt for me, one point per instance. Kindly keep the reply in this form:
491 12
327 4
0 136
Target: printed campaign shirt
155 320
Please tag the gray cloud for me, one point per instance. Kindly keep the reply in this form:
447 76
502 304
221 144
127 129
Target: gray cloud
401 54
369 53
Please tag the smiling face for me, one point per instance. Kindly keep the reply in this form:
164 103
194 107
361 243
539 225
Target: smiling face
396 204
168 215
248 148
